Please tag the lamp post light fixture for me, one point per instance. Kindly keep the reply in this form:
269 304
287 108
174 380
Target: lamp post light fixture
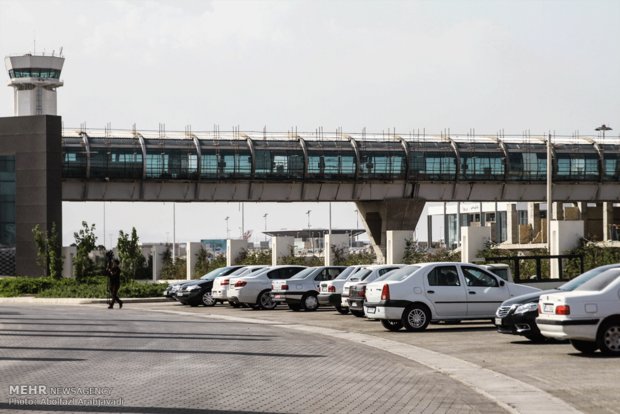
603 128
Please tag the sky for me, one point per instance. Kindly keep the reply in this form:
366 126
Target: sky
435 65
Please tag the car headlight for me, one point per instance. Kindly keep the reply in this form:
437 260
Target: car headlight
193 287
528 307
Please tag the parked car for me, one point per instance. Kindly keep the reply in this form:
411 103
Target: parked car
357 291
589 316
221 284
196 292
301 291
518 315
370 273
418 294
331 291
255 289
171 290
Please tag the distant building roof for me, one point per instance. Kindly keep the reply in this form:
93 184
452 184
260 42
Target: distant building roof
307 233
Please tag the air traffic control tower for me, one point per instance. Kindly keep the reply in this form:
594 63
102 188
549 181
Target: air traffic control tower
34 80
30 161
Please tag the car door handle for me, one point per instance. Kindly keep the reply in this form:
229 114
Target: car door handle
472 293
430 291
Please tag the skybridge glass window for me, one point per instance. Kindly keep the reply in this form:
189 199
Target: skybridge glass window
7 208
119 163
74 162
331 160
384 160
611 163
172 164
528 162
433 166
222 159
278 160
482 166
576 167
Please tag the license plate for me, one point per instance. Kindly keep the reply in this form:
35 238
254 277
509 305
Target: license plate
353 305
548 308
370 310
277 296
498 321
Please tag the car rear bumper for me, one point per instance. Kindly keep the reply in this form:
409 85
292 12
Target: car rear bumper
355 304
220 294
332 299
383 312
580 329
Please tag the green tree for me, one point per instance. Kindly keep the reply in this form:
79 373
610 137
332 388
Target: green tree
167 265
130 254
49 251
85 241
260 257
413 253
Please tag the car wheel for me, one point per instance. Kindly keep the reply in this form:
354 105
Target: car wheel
609 338
416 318
208 300
341 310
295 308
310 302
265 301
585 347
359 314
391 325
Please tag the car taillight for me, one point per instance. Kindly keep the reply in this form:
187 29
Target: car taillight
363 292
539 309
385 292
562 310
241 283
331 288
224 282
284 287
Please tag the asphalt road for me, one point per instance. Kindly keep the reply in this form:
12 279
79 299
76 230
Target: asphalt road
142 360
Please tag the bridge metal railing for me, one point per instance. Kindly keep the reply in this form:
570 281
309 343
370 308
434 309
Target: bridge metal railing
542 265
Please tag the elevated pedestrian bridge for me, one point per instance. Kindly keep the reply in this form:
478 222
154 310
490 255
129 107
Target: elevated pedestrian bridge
388 177
259 166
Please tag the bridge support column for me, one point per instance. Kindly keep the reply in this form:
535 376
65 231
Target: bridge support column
157 251
192 251
473 239
533 219
380 216
280 247
337 241
233 249
565 235
512 224
608 220
396 244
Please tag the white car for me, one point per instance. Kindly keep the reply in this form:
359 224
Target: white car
222 283
255 289
331 291
301 291
369 274
418 294
588 316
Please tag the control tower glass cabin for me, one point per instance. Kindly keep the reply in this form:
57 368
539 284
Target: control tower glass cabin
34 79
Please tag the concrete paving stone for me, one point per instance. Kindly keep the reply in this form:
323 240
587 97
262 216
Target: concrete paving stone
160 362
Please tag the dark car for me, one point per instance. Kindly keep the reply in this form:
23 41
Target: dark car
195 292
518 315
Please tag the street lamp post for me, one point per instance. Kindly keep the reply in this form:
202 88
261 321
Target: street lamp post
265 217
309 233
603 128
227 230
357 217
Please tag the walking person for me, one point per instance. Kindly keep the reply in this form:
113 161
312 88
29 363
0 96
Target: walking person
114 275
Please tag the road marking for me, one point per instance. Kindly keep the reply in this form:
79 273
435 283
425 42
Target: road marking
513 395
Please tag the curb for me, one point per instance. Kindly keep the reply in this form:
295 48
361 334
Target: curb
72 301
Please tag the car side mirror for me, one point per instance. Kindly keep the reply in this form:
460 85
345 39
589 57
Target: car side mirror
502 283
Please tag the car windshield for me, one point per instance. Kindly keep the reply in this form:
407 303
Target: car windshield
214 273
601 282
304 273
361 275
346 272
580 280
401 274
